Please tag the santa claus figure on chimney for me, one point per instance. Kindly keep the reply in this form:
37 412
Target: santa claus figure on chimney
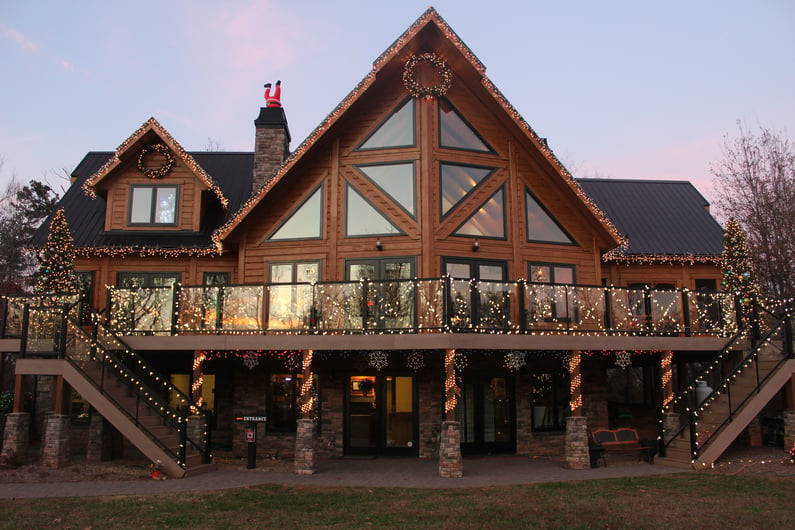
275 99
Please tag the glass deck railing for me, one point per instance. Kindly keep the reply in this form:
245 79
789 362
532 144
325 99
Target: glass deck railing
421 305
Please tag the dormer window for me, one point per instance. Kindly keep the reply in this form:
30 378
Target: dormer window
154 205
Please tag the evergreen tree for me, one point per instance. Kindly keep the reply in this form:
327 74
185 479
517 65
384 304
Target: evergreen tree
56 274
737 265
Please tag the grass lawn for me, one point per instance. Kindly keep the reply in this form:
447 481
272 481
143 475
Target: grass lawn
682 500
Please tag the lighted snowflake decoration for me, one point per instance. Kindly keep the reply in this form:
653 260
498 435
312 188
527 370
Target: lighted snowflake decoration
415 361
514 360
250 361
292 361
623 359
461 361
378 359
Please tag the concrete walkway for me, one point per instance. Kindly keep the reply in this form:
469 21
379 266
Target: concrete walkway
376 473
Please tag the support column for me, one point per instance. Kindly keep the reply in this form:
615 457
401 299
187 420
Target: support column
450 463
198 378
55 446
670 424
305 430
100 442
16 437
667 374
789 432
577 453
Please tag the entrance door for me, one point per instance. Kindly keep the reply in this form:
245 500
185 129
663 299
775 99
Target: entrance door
485 411
380 415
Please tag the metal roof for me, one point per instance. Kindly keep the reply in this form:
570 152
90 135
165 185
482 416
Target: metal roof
669 218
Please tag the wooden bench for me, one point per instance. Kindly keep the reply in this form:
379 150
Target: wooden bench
618 441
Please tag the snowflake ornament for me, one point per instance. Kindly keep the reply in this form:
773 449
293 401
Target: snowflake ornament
515 360
415 361
461 361
378 359
292 362
250 361
623 359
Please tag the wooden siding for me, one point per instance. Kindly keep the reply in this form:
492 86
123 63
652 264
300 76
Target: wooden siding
680 275
119 184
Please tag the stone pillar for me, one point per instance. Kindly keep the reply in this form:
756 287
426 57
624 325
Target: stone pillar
305 447
100 441
577 454
55 447
16 437
789 431
670 424
450 463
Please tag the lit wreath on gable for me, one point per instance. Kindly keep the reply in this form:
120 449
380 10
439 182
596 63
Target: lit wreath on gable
155 172
415 88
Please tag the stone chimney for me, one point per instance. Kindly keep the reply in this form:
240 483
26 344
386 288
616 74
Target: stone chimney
271 144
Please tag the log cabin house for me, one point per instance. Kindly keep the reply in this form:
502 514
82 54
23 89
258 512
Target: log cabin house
420 277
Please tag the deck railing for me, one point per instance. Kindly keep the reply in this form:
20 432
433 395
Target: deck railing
421 305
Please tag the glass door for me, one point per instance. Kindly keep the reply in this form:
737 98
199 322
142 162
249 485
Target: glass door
486 412
380 415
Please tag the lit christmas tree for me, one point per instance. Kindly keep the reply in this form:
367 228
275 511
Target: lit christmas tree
736 265
58 259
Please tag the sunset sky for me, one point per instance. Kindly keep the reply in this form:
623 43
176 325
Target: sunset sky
645 90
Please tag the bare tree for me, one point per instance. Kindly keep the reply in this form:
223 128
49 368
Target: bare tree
755 184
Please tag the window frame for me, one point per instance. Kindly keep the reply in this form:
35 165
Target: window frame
468 218
442 214
490 150
291 213
153 204
381 123
349 186
573 317
412 163
529 194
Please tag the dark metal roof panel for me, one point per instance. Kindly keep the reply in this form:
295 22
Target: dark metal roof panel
669 218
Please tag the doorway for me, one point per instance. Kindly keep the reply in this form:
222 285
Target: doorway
380 415
485 411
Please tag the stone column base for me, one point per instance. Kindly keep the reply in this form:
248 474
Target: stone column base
577 454
100 439
16 438
450 463
55 447
789 431
670 424
305 447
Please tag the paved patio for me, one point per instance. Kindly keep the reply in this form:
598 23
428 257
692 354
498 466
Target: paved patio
371 473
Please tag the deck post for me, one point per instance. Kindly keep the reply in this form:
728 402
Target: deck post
305 431
55 446
450 463
577 451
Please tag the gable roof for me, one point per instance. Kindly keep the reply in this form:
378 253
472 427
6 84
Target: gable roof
153 125
660 220
428 17
232 171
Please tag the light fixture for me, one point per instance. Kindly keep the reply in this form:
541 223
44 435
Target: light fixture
378 244
476 246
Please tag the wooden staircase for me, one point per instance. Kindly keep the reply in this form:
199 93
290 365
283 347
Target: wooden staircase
128 393
740 398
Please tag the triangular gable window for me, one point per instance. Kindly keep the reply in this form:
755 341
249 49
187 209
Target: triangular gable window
363 219
541 226
458 181
396 131
305 222
456 133
488 220
396 180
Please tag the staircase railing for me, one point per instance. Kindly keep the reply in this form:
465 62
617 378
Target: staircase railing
776 326
105 359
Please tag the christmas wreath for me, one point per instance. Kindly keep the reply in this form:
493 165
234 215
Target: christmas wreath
418 90
156 172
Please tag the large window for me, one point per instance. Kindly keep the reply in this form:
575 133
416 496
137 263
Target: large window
396 180
488 221
137 280
390 293
551 394
284 401
153 205
541 226
364 219
396 131
458 181
456 133
290 306
552 302
305 222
